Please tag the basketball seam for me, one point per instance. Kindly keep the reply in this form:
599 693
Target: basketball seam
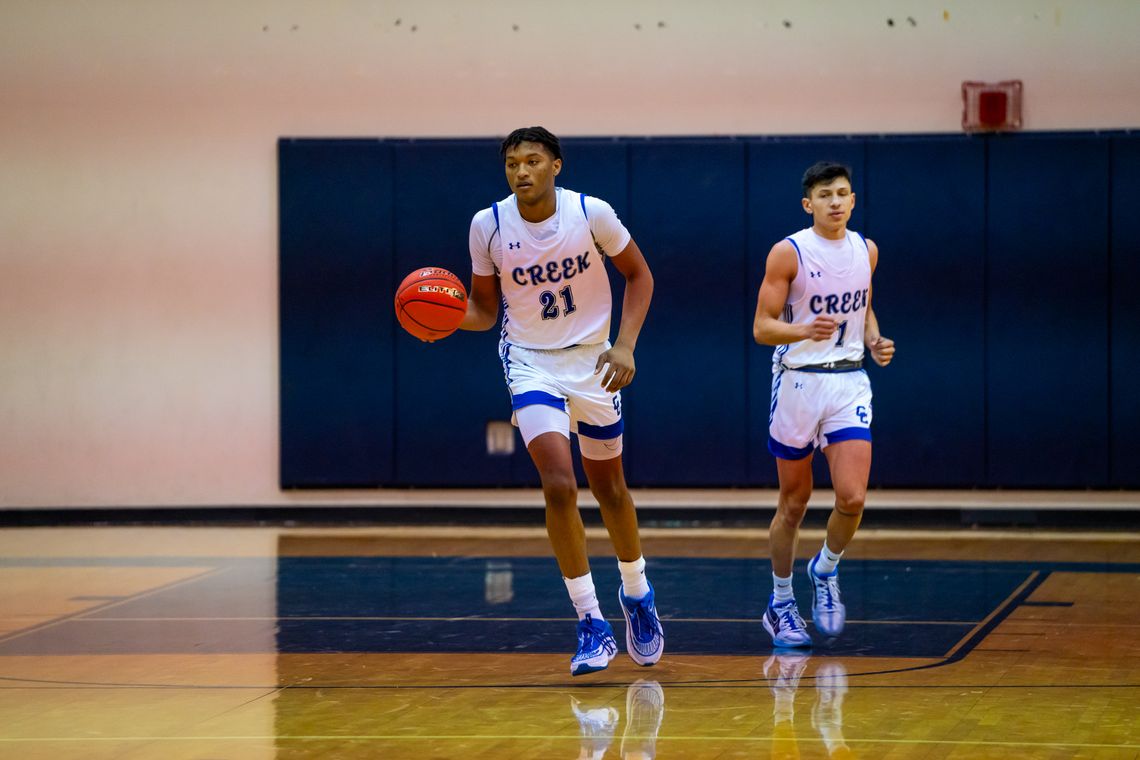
421 324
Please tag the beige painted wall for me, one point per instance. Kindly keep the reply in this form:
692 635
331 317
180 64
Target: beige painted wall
138 328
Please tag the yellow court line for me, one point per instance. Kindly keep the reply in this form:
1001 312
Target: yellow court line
479 620
543 737
1008 600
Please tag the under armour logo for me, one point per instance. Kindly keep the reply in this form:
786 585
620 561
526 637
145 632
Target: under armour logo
799 385
815 274
513 246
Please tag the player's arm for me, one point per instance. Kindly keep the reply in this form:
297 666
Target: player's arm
638 293
485 294
482 303
767 327
882 349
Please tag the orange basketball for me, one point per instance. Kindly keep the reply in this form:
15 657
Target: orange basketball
430 303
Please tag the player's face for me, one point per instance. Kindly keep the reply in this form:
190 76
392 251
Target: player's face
531 170
830 204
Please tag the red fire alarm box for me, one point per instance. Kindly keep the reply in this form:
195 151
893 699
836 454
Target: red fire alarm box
991 106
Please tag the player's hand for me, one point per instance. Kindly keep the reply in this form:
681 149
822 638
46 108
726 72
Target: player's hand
882 350
620 371
821 328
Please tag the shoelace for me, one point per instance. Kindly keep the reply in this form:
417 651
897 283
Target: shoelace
646 620
792 619
591 635
830 593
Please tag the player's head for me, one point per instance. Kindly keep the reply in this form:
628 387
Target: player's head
539 135
824 173
828 196
532 157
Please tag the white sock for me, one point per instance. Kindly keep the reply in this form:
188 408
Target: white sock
826 561
782 588
582 595
633 578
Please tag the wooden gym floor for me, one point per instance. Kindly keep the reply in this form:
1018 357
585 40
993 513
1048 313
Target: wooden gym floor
454 642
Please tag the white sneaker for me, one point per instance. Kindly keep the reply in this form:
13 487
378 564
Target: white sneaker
827 611
782 620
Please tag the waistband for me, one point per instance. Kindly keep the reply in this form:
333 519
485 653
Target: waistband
843 365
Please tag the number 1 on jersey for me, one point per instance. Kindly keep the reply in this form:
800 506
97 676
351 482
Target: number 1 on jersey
550 303
842 331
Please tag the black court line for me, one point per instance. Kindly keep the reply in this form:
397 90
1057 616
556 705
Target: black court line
1047 604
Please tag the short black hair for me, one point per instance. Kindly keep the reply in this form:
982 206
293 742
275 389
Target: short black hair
540 135
822 173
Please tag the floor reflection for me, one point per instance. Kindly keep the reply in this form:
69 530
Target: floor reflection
784 670
644 711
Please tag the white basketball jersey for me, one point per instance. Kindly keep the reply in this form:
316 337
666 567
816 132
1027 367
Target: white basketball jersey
555 291
834 280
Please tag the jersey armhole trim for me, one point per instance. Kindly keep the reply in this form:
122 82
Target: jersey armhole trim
582 199
495 211
800 255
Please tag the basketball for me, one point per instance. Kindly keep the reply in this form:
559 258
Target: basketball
430 303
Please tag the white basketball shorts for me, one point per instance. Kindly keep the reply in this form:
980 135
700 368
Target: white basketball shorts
811 409
564 379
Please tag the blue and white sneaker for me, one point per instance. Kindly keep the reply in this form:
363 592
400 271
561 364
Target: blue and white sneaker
596 646
827 612
782 620
644 639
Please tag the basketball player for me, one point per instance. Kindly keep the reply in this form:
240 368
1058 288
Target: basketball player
815 307
543 251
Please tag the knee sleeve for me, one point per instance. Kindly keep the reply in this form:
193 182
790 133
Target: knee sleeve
592 448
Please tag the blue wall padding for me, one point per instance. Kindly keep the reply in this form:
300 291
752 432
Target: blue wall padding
925 212
688 407
336 215
1124 315
1007 276
1047 311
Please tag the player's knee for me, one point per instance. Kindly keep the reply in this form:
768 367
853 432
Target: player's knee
560 489
792 509
850 504
610 493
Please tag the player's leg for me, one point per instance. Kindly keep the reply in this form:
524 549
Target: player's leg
782 618
850 463
607 483
550 452
846 433
546 431
602 463
792 425
600 426
783 534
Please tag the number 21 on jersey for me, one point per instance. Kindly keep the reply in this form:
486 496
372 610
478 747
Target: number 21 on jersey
549 303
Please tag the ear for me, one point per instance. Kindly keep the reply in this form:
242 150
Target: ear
557 166
807 205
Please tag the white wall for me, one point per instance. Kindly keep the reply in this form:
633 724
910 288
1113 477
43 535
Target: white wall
138 326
